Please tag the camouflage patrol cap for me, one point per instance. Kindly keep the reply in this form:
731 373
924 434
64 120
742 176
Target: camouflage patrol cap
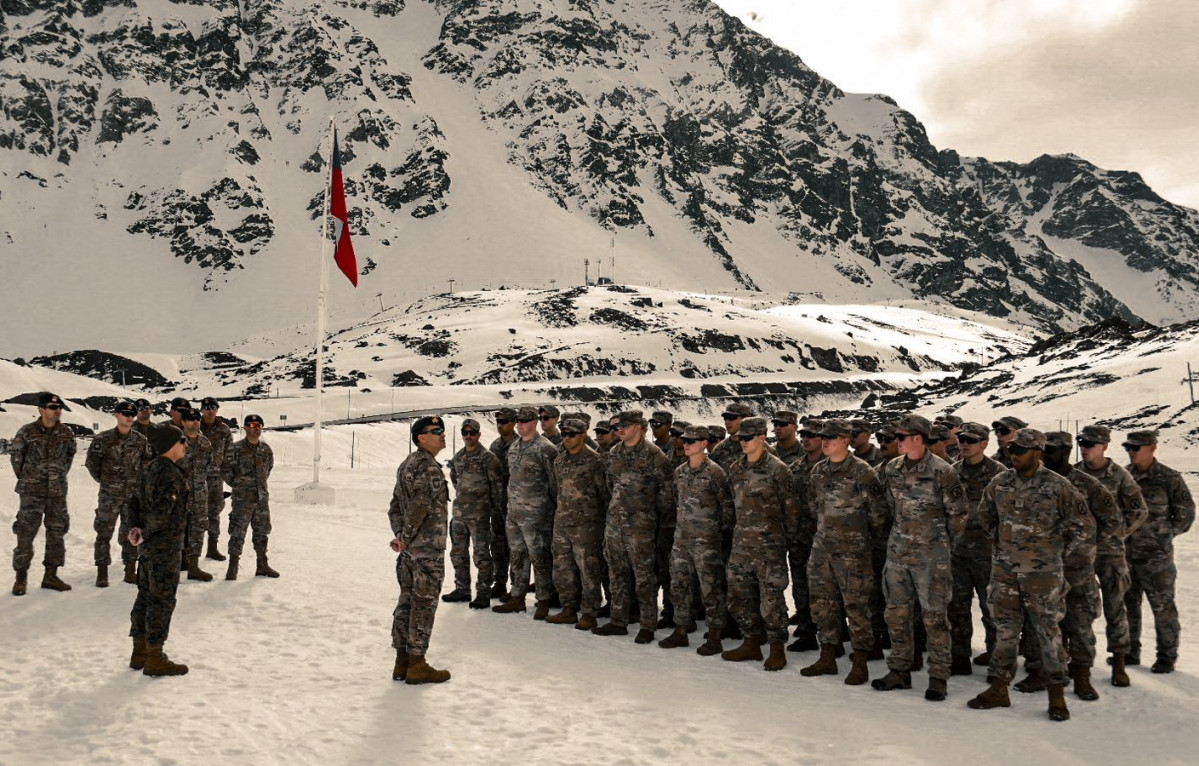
1059 439
678 427
526 413
1009 421
252 420
549 410
739 409
1140 439
418 427
699 433
505 413
179 403
917 424
887 430
1029 438
938 433
716 433
471 423
46 399
164 437
811 423
603 428
786 416
573 426
859 424
631 418
753 427
209 403
950 421
583 416
975 431
142 404
836 427
662 416
1101 434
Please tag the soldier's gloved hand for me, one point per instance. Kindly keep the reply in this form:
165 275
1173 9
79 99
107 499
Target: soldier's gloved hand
398 545
135 536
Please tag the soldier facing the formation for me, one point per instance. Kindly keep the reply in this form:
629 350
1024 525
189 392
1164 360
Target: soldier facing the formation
114 459
246 468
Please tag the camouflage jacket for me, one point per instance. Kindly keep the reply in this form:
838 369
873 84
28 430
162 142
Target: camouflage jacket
220 437
1102 518
974 479
803 524
196 465
1033 521
928 506
705 503
554 438
246 468
158 507
41 458
955 453
500 448
872 455
143 428
850 507
1129 499
582 487
419 504
642 487
478 483
790 455
1171 509
727 452
531 489
1002 458
114 461
765 502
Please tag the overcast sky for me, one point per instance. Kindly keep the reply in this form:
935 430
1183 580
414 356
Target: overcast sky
1113 81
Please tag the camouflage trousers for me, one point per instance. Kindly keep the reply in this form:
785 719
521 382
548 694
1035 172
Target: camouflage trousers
109 517
464 528
757 586
157 583
841 580
971 576
197 525
32 513
578 565
630 555
420 577
798 552
1114 581
1077 626
1154 576
216 504
919 591
878 601
529 541
692 561
1035 599
663 545
253 515
500 556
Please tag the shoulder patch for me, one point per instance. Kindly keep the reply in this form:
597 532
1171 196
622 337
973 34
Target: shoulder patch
957 492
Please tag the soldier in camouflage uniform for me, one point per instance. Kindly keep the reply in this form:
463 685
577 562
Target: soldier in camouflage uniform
888 450
41 455
1111 562
246 468
642 489
142 423
582 488
157 517
586 420
863 448
846 498
505 424
677 428
532 498
716 435
478 495
938 442
659 423
800 534
196 464
787 446
1036 518
179 405
705 517
729 451
548 417
929 508
767 510
216 430
114 459
1005 430
605 438
418 521
953 424
1151 547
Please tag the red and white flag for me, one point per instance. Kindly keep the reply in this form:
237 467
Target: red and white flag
344 252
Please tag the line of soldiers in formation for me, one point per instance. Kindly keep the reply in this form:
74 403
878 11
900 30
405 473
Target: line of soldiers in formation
163 484
888 544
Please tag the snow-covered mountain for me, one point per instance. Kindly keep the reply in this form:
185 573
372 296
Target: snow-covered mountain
164 149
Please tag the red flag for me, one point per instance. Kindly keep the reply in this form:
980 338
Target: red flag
344 254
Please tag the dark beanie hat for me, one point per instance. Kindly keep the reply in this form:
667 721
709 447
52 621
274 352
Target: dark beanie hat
163 437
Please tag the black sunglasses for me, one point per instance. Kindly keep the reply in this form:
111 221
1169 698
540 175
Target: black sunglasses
781 423
128 413
547 417
433 431
1133 447
656 423
525 420
884 439
730 416
745 438
969 440
503 421
687 440
810 435
1087 443
469 432
1016 449
602 431
1003 430
53 407
714 440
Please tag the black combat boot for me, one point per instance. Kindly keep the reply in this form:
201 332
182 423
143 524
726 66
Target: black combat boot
457 596
22 581
804 642
731 630
960 665
675 639
137 660
750 649
859 673
1163 666
101 575
500 591
194 572
983 659
825 666
214 553
231 572
50 580
644 636
605 610
264 568
400 671
778 657
937 690
511 606
667 618
159 664
994 696
877 651
1082 682
1033 682
711 644
1119 674
421 672
568 616
541 609
610 629
481 601
131 573
1057 703
895 679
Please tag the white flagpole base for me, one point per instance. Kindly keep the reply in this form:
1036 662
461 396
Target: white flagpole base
315 493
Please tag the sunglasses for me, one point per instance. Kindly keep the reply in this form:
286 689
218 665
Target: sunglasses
52 407
212 408
466 432
1003 430
526 420
744 438
544 418
714 440
433 431
731 416
128 413
183 440
189 419
603 431
1133 447
657 423
810 435
856 433
1016 449
884 439
694 441
781 423
902 437
571 434
969 440
502 421
1087 443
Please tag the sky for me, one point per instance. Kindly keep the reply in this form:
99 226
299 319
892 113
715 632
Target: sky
1113 81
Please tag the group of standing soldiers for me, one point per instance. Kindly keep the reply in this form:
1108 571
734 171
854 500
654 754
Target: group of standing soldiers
885 544
162 484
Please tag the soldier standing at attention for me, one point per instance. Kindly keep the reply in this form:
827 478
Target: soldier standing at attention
195 465
888 445
863 449
954 424
1111 560
505 424
659 424
800 532
114 459
604 437
179 405
846 498
142 423
216 430
548 417
971 557
678 455
1151 547
938 442
1035 518
929 508
41 455
765 505
157 520
1005 431
729 451
478 484
418 521
246 468
786 441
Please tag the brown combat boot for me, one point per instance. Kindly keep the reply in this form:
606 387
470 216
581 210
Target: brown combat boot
421 672
750 649
1057 703
511 606
983 659
644 636
711 644
101 575
895 679
159 664
400 671
994 696
1119 674
213 552
137 660
586 622
263 569
677 638
1033 682
610 629
859 673
131 573
50 581
778 656
568 616
19 584
937 690
541 610
194 572
1082 683
825 666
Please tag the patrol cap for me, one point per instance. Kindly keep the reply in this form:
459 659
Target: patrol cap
573 427
678 427
917 424
525 414
752 427
46 399
179 403
836 427
950 421
886 430
699 433
737 410
859 424
716 433
142 404
419 426
938 433
1141 439
813 424
505 413
163 437
1101 434
583 416
126 408
603 428
549 410
1059 439
630 418
662 417
209 403
786 416
1028 438
470 423
252 419
191 413
975 431
1009 421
